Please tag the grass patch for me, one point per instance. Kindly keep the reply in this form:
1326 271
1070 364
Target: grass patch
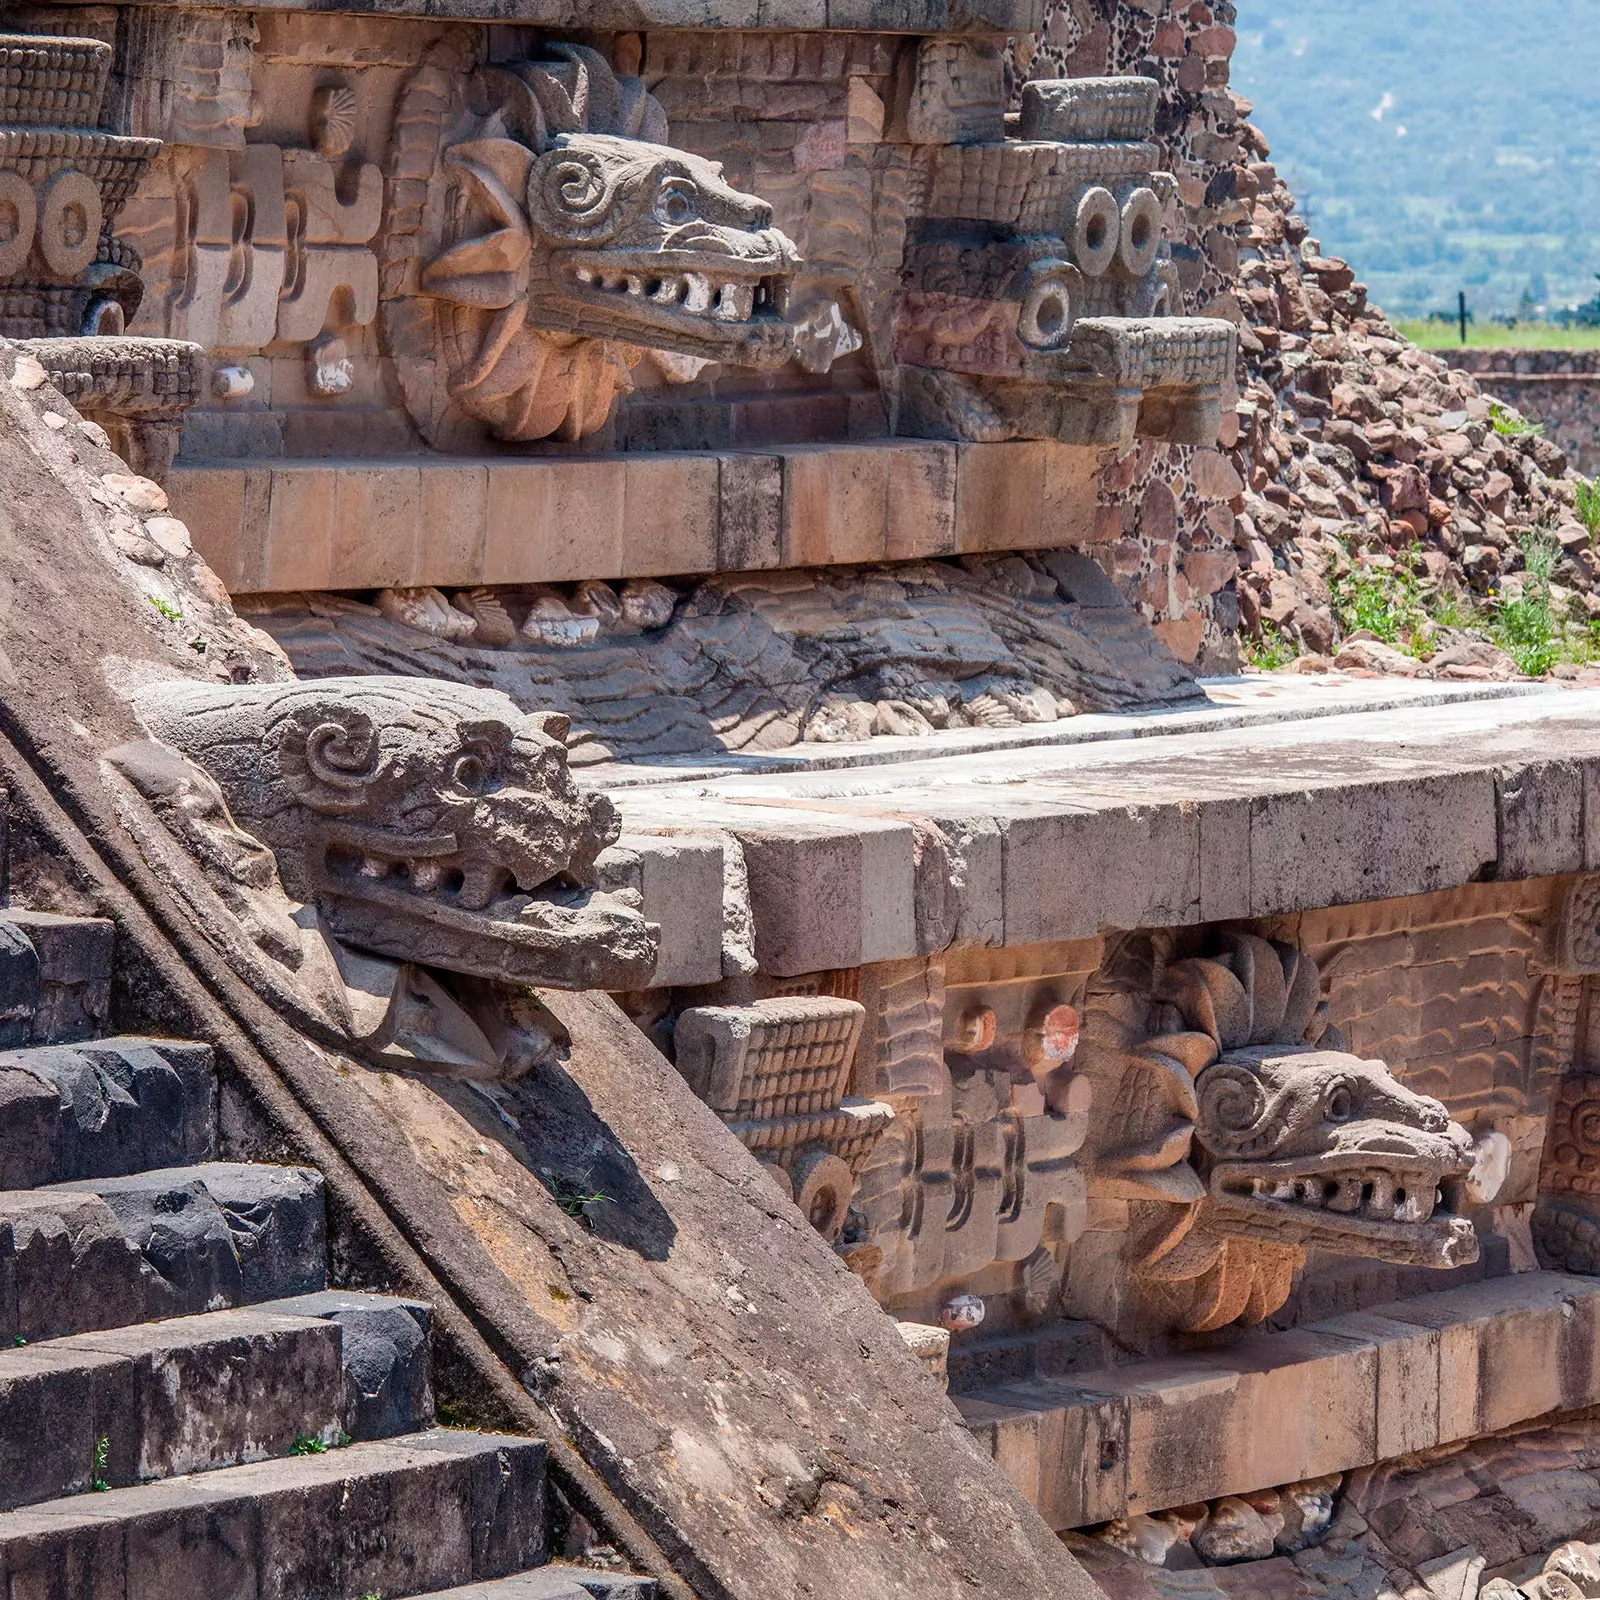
97 1467
1385 598
1272 650
1586 502
1510 424
1495 336
574 1195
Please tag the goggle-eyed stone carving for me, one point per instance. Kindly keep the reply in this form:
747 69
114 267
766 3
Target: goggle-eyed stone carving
542 234
1038 295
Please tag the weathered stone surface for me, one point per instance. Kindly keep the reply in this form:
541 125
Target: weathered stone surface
125 1104
692 1222
384 1352
183 1395
334 777
180 1231
440 1509
1277 1408
274 1215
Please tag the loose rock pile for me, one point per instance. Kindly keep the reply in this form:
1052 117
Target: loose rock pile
1360 451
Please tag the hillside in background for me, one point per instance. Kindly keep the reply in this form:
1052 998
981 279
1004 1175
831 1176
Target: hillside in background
1437 144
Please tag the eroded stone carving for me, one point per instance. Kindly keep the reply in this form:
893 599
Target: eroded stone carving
1242 1131
62 183
1037 290
541 233
776 1071
427 823
762 660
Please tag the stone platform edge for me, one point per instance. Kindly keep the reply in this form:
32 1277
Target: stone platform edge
268 526
833 16
1278 1408
836 883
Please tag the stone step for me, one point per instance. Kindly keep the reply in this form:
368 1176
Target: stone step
1278 1408
161 1399
108 1252
104 1108
406 1517
557 1583
387 1388
194 1394
55 977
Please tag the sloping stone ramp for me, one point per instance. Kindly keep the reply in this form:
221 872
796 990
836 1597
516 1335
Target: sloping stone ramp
187 1411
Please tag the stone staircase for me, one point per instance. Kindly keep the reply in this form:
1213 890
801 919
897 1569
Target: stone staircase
187 1411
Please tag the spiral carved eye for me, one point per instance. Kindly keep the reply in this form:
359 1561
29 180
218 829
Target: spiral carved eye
676 203
570 194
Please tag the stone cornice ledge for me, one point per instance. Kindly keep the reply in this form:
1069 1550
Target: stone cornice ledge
844 16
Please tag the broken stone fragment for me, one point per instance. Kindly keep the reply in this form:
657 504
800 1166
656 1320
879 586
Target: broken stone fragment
840 721
138 495
428 612
551 621
1234 1531
494 621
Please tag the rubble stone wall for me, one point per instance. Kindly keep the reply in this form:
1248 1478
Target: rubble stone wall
1560 388
1165 532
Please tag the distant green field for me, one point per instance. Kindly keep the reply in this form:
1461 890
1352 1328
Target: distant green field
1491 335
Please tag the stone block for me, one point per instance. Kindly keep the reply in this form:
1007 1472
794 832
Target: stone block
19 986
377 525
66 1265
30 1130
275 1215
1343 844
1056 883
181 1233
835 505
211 1391
55 1405
1408 1378
387 1390
1510 1349
1539 815
1224 860
749 512
680 883
211 502
302 524
826 896
126 1104
438 1510
454 523
999 491
670 514
921 521
73 957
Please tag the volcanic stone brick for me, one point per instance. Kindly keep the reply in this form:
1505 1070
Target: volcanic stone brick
74 972
19 985
275 1215
385 1355
183 1236
398 1519
66 1265
30 1133
127 1104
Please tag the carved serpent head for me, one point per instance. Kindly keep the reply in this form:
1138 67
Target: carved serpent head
1297 1139
566 220
428 821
